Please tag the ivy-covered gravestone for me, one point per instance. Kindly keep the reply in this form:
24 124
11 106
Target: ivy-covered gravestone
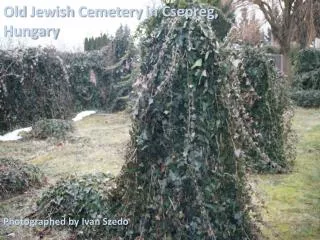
271 112
184 176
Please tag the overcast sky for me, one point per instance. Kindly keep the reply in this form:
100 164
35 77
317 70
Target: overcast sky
73 30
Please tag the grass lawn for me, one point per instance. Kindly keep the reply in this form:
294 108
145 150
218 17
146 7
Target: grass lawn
292 201
97 145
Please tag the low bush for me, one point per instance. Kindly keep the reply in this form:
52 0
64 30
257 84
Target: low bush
51 128
17 177
77 198
308 80
306 98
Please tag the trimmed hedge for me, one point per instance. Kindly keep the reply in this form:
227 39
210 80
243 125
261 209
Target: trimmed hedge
37 83
34 84
307 60
98 78
308 80
307 98
306 83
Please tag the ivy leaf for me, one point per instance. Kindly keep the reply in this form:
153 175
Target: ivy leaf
144 135
237 153
207 55
198 63
204 73
237 215
172 176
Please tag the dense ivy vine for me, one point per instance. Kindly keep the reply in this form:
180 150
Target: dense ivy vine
184 177
29 89
271 111
37 83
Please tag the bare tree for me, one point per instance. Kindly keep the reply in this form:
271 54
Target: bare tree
316 17
305 31
283 16
247 30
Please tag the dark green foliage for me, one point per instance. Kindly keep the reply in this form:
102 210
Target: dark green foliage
43 83
122 41
76 198
271 112
34 84
120 104
51 128
307 70
111 66
306 82
271 49
307 60
221 25
17 177
81 68
184 177
307 98
97 43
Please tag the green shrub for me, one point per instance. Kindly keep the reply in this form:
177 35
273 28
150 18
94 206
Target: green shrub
77 198
307 60
307 70
120 104
17 177
306 98
34 85
271 49
51 128
39 83
307 80
269 111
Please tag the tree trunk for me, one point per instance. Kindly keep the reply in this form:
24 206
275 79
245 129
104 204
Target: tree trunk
287 67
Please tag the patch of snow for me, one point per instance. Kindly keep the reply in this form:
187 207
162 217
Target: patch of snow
14 135
83 114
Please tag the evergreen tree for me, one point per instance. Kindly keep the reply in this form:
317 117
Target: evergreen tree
121 41
86 44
